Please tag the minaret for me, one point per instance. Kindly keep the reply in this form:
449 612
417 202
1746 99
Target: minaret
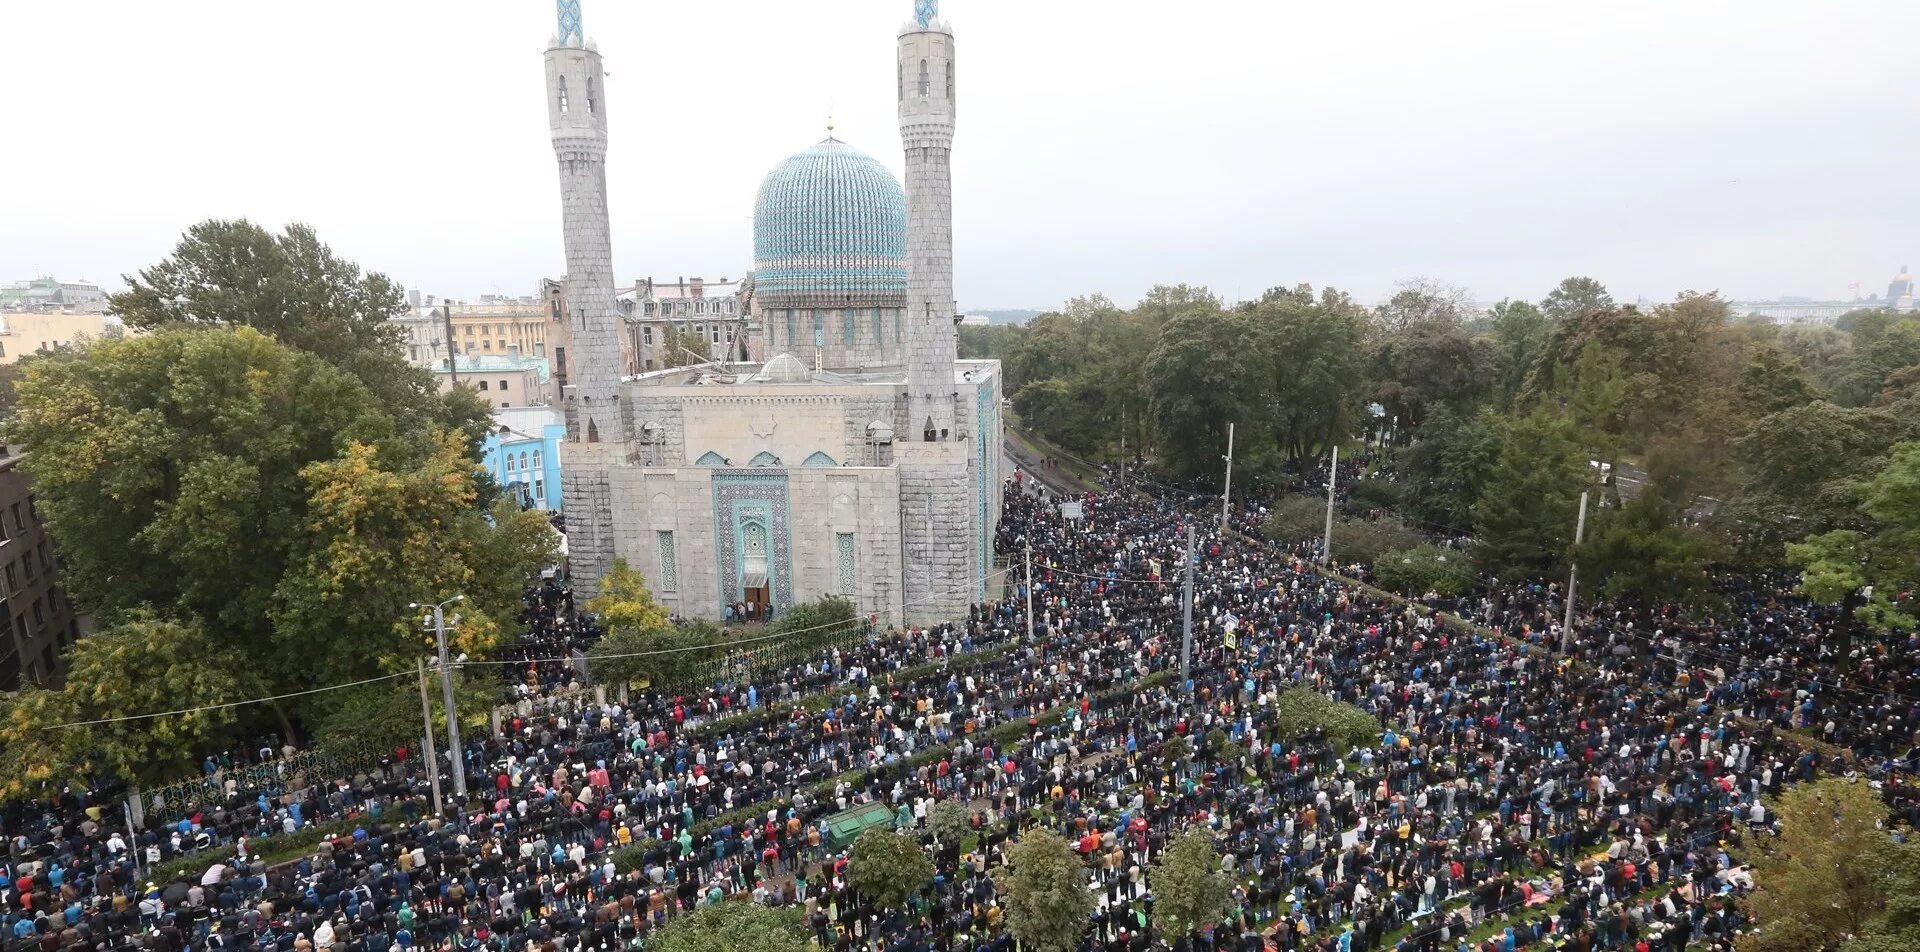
938 477
577 116
596 438
926 91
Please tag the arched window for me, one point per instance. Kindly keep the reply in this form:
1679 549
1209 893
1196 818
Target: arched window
923 79
509 462
901 76
820 459
593 93
764 458
877 335
949 80
790 332
711 458
846 327
523 461
563 94
536 459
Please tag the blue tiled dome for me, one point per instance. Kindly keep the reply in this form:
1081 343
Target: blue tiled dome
831 221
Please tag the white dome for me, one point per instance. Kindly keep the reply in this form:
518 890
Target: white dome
785 368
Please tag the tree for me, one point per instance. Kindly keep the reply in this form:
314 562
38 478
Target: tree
1295 519
1638 553
1424 301
263 494
625 602
950 822
1773 381
1421 569
661 658
144 665
888 867
733 927
1575 298
1303 711
1310 357
1200 378
386 715
1189 891
1048 905
373 520
1828 880
682 346
293 288
1876 570
1799 467
1367 540
208 432
1447 467
1520 333
1526 511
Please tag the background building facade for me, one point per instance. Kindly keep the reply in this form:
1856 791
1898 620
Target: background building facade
503 381
40 621
709 313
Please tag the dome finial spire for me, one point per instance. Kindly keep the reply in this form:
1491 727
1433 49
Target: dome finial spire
926 11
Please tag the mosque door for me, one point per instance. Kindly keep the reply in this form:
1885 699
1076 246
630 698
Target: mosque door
753 569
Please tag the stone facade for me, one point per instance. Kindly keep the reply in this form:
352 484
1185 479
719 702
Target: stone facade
811 474
927 94
577 118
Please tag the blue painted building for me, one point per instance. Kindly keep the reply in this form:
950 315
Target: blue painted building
522 452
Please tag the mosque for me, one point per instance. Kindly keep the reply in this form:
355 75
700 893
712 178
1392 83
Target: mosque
863 458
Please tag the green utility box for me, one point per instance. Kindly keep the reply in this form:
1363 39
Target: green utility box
845 826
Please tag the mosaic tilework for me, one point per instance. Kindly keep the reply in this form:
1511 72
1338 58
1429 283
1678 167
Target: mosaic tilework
669 562
571 32
986 439
925 11
843 560
830 219
738 497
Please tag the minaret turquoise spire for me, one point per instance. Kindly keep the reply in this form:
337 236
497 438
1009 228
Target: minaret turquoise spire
571 33
923 10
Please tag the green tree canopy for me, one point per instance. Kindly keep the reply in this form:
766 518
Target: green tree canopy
736 926
1575 298
1833 879
1878 568
1048 904
624 602
888 867
293 288
145 665
1424 568
1189 890
1528 505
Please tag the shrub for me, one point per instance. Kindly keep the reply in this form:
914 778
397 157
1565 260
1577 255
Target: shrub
1424 568
1304 711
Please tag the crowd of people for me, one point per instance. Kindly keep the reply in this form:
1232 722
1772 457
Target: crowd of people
1512 797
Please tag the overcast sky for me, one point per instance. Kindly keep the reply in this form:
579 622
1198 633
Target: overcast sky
1759 147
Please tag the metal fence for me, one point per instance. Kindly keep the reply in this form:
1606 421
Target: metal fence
272 778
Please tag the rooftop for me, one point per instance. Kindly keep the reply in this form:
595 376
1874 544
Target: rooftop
495 363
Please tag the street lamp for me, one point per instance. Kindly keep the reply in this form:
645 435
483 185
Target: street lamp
439 622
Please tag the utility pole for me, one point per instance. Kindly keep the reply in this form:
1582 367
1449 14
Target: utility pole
446 316
1333 477
1186 636
433 757
1573 573
1123 446
454 750
1029 544
1226 497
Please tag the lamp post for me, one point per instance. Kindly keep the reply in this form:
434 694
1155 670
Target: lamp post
439 621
